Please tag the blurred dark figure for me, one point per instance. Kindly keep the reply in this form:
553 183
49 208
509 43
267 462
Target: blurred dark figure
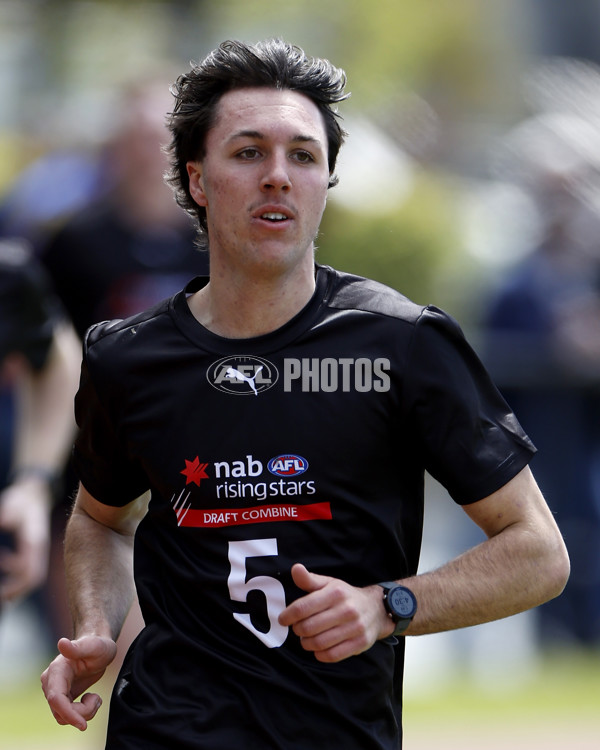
134 246
39 372
129 247
543 348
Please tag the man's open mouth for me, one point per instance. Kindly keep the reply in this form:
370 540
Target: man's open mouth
271 216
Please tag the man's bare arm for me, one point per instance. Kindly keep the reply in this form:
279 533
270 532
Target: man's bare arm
99 571
522 563
99 564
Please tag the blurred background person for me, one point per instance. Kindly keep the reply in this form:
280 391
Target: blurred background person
122 249
132 246
542 344
39 372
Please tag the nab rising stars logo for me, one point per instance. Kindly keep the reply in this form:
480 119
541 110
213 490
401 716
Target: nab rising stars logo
242 376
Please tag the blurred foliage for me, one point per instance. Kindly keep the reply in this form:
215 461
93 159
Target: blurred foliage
376 43
459 54
418 69
405 249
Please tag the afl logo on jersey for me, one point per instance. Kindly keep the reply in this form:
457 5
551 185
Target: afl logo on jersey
242 376
287 465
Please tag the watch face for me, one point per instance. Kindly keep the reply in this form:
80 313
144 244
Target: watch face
402 601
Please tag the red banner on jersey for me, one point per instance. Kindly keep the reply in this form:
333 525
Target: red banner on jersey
213 519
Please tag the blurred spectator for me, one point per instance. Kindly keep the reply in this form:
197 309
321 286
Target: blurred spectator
543 347
39 365
125 249
133 246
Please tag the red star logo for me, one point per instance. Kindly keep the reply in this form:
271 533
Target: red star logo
194 471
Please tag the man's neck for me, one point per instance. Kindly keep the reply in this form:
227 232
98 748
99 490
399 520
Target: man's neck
245 307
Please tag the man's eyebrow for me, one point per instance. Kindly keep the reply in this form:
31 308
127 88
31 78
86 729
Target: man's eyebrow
298 138
247 134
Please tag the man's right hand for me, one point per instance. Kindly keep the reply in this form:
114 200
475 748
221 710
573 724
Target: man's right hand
80 663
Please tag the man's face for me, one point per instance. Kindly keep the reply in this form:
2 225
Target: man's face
263 179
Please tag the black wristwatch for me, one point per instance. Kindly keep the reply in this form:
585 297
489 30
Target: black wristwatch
400 604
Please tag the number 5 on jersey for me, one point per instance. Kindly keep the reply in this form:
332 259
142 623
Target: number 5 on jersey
273 589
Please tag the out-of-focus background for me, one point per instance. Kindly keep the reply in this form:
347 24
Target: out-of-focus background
470 179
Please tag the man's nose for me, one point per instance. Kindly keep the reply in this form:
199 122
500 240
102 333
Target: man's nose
276 175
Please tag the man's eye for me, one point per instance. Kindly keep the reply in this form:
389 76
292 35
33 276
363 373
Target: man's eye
248 153
304 157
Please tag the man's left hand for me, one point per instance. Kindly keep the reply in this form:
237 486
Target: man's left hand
334 619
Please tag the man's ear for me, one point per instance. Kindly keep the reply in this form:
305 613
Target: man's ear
194 170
